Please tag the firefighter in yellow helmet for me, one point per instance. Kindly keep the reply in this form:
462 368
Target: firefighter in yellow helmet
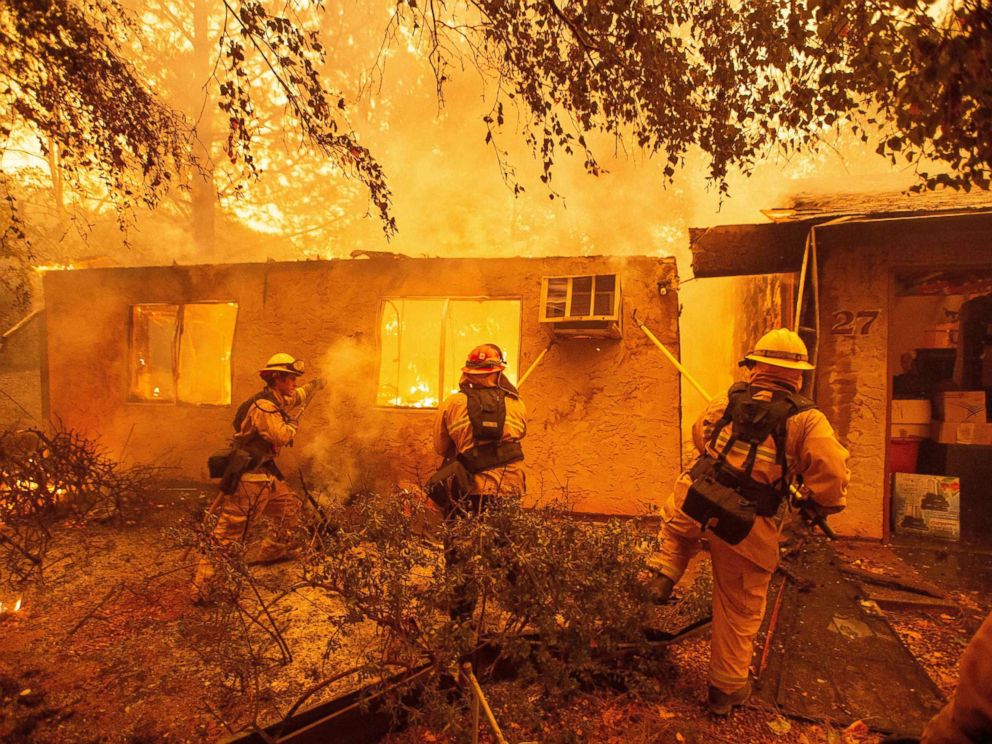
752 444
253 487
478 431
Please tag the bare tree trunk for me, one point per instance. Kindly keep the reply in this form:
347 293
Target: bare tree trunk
55 171
204 193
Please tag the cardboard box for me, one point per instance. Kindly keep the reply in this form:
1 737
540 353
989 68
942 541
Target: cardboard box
961 405
974 433
943 432
937 338
961 432
926 505
910 431
911 412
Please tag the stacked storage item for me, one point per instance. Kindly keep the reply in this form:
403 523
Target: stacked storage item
910 425
961 418
926 505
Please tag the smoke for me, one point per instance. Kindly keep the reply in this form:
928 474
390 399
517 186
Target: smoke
342 437
450 198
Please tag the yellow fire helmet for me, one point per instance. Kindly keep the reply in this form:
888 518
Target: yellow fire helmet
781 348
282 362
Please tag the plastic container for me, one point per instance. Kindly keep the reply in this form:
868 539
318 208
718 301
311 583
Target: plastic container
903 455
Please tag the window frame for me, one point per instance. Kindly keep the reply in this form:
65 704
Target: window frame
129 399
543 316
442 394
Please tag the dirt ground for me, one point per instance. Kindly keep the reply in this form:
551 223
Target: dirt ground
109 648
676 712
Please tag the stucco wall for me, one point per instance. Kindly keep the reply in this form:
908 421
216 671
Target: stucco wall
852 384
22 401
604 415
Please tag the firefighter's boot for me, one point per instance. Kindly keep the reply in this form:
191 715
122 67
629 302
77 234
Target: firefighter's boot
721 703
271 555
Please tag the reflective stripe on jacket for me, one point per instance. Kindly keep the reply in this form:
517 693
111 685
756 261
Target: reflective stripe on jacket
453 435
811 450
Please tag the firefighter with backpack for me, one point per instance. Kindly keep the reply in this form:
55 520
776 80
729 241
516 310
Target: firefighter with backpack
479 431
753 444
252 486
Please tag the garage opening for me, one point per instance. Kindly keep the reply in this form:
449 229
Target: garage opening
940 375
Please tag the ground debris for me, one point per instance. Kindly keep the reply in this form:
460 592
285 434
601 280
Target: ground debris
887 597
131 672
880 565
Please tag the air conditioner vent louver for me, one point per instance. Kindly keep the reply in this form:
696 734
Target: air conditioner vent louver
587 306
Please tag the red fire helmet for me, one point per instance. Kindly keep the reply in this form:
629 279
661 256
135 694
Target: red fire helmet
484 359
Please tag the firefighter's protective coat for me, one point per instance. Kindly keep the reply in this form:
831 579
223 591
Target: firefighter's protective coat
741 572
260 494
967 717
453 435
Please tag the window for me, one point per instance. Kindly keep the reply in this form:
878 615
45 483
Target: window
582 306
593 297
424 344
182 353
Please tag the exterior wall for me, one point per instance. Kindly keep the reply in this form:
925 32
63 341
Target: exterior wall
22 400
857 263
603 415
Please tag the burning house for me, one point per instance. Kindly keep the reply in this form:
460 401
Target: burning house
178 348
894 304
878 284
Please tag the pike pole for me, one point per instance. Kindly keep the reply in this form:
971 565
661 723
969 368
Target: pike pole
533 365
799 499
675 362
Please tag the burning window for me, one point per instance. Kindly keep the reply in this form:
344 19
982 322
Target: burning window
424 344
182 352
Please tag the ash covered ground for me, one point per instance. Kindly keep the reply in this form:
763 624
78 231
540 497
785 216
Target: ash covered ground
109 648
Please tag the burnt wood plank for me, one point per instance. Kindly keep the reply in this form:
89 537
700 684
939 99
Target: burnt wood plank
733 250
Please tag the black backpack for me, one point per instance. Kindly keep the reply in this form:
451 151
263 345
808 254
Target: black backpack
727 500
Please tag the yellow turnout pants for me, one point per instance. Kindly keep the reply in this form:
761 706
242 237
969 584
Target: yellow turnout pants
741 574
255 498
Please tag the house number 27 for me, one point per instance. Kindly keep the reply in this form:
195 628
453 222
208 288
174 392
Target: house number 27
849 323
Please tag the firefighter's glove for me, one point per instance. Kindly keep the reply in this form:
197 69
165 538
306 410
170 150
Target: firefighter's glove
659 588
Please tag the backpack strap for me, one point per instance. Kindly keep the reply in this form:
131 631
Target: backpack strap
734 395
786 406
266 395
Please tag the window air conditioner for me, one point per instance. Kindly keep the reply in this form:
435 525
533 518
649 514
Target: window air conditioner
583 306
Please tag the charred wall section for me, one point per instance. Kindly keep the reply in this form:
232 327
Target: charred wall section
603 414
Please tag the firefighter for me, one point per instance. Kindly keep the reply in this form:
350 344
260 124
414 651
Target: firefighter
478 431
967 717
752 444
263 424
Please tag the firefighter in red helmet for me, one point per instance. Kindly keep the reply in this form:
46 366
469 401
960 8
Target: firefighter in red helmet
478 431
